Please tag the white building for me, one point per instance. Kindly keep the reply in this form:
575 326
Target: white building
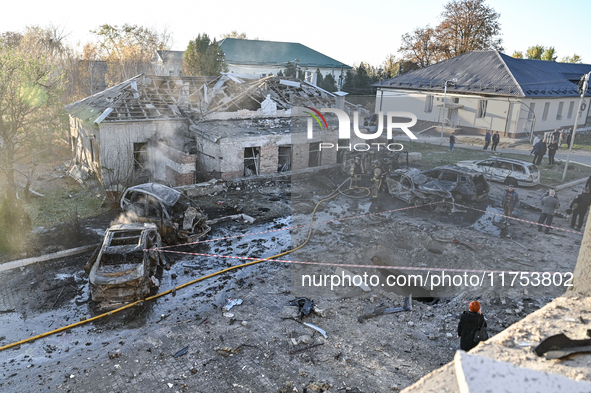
493 92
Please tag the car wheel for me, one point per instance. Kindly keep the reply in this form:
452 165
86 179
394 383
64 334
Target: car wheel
510 180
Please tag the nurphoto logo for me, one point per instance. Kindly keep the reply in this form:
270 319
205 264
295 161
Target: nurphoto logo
345 128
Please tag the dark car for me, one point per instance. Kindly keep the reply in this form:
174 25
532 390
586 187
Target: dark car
178 218
442 183
125 266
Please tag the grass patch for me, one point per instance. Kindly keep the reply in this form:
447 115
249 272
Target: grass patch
437 155
60 204
582 142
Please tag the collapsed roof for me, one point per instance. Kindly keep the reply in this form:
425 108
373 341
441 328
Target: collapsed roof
148 97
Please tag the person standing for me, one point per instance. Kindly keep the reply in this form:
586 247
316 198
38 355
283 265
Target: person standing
378 174
569 136
470 322
542 152
509 202
452 141
579 207
495 141
552 149
356 172
556 136
486 140
538 148
549 205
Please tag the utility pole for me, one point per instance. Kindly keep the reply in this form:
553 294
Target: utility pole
453 83
582 91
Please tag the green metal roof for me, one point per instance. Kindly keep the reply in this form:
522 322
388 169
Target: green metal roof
258 52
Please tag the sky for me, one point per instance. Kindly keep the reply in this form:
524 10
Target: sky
348 31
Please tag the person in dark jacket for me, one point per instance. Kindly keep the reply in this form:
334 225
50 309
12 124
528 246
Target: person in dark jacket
486 140
470 322
509 202
495 141
579 207
538 148
552 149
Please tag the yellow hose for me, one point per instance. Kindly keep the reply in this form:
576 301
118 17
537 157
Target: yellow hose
176 288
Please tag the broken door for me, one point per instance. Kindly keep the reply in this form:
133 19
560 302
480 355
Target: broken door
284 159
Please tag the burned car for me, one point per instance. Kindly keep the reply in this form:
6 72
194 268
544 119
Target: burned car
505 170
442 183
178 218
125 266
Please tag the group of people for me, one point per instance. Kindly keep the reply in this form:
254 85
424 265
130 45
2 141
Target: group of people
549 145
578 207
495 138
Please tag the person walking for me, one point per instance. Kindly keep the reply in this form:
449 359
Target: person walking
470 322
509 202
452 141
356 172
538 148
552 149
486 140
579 207
549 205
495 141
569 136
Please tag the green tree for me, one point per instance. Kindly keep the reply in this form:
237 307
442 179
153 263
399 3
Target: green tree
574 59
517 54
535 52
235 34
203 57
291 71
549 54
421 47
30 108
360 79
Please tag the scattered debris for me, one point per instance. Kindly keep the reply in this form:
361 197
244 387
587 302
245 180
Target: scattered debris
342 273
382 310
227 351
181 352
321 331
231 303
306 306
559 346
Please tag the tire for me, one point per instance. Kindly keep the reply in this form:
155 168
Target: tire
510 180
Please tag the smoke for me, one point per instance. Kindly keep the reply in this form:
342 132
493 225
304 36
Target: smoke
127 217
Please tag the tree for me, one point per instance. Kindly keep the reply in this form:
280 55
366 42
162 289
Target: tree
30 108
360 79
549 54
291 71
517 55
421 47
466 25
535 52
203 57
234 34
129 50
574 59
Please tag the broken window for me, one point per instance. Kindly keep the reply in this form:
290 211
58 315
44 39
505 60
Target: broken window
481 109
252 161
284 159
140 156
314 158
449 176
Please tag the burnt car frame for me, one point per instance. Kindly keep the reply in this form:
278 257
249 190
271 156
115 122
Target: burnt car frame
125 267
505 170
178 218
447 182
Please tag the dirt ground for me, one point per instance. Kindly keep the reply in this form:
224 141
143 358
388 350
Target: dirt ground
260 345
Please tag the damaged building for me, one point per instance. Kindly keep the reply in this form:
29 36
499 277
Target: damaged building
181 130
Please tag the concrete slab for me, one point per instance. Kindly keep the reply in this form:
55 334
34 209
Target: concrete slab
478 374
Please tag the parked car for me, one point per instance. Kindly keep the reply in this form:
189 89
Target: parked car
178 218
125 266
505 170
442 183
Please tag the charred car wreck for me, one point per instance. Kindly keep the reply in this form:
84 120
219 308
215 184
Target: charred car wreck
124 268
178 218
447 182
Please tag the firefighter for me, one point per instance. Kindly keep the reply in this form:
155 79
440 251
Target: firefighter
356 172
378 173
